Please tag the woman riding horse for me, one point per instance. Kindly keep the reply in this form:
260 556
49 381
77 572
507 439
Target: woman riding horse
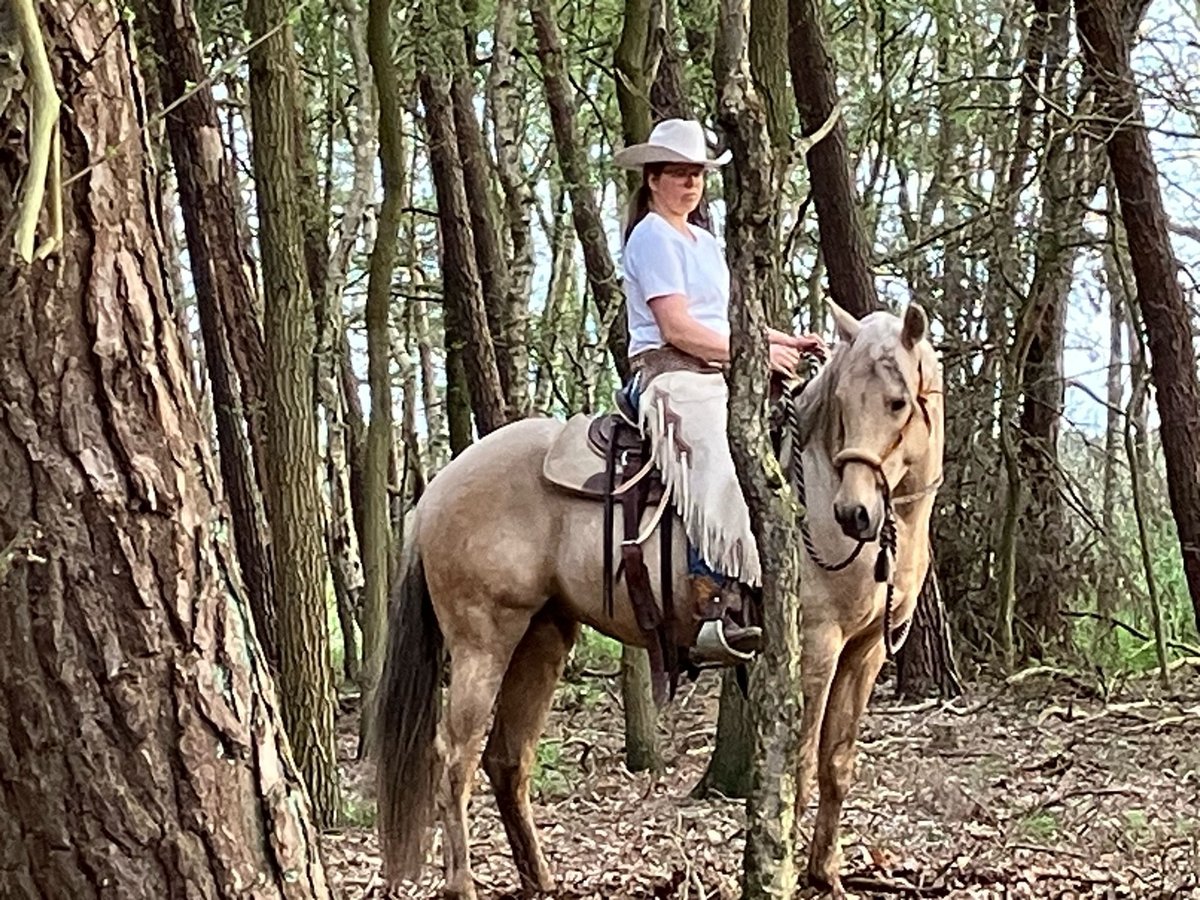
677 292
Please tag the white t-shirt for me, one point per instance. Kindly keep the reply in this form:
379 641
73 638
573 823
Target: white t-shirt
659 260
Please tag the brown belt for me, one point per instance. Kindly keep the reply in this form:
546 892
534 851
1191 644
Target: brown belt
652 363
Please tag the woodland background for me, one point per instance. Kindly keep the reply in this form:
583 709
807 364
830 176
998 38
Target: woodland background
311 251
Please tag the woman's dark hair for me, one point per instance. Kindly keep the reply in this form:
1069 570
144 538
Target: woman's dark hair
639 200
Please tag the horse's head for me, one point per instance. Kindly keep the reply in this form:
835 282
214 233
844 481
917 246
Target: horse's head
881 411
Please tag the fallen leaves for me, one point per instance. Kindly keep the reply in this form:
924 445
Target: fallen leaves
990 799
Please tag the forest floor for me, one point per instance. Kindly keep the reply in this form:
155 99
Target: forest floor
1042 788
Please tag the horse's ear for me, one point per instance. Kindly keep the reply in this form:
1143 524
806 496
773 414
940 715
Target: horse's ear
847 325
916 324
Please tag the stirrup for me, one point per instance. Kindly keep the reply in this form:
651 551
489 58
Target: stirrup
712 649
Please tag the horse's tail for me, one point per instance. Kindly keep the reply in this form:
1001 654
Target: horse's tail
407 708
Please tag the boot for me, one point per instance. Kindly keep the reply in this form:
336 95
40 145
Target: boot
721 640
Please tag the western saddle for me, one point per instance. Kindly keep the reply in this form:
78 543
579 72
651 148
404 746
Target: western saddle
606 458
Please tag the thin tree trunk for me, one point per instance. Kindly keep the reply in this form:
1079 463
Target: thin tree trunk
641 736
730 766
208 198
1070 176
142 749
342 532
814 83
292 465
505 101
438 438
1115 281
601 274
925 664
464 313
775 698
492 264
1103 31
558 295
376 518
635 62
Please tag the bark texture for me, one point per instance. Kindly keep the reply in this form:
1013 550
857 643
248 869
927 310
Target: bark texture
468 337
505 101
814 81
293 463
775 698
142 751
925 664
1160 296
485 221
376 522
601 273
208 197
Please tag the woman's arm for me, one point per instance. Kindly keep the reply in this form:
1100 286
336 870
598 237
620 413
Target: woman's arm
681 330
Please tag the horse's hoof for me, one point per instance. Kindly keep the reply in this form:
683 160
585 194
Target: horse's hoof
460 892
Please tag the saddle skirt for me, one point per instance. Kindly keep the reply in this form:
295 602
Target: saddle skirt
575 461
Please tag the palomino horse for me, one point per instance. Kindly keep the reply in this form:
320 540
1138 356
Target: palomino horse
872 432
500 569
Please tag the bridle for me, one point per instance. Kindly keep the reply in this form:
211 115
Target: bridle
887 537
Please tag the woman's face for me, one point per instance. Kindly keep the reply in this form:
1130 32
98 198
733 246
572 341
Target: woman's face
678 189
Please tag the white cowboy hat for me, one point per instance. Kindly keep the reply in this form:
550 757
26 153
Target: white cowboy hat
671 141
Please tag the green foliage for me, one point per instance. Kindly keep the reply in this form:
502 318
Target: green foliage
1040 826
359 812
551 774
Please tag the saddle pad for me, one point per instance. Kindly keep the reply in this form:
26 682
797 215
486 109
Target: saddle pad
685 415
574 464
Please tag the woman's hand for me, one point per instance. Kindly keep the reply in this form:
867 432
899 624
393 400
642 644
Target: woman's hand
810 343
804 343
784 359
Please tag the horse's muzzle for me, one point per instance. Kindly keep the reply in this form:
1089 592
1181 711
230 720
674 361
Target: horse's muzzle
855 521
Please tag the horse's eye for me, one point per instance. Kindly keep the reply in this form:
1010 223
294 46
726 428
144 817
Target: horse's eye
897 406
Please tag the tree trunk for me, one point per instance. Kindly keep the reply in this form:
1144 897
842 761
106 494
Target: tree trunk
1115 278
208 195
775 698
634 62
142 751
641 737
1159 293
601 273
730 766
292 464
492 264
439 438
925 664
559 292
505 100
345 450
464 315
814 83
376 519
1069 177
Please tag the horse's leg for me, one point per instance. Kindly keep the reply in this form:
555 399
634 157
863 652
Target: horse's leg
821 646
477 667
856 674
525 699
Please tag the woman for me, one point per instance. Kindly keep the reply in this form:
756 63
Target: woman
676 277
677 307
